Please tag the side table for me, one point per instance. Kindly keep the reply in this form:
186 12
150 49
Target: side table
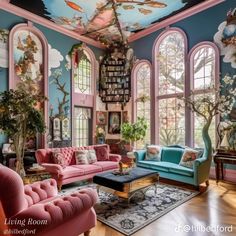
221 158
36 174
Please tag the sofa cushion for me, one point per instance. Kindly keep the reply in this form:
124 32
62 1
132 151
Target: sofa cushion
153 153
156 165
92 157
89 169
107 165
102 153
58 158
81 157
166 167
72 171
189 156
171 154
181 170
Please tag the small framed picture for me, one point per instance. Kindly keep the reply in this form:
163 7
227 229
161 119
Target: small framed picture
65 129
114 122
56 129
101 118
125 117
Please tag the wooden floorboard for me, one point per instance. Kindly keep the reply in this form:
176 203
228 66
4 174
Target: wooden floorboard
215 206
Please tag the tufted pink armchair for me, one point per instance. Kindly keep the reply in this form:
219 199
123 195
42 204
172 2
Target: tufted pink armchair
36 209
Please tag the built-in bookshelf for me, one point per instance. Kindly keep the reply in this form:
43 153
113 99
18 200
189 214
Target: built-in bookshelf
114 83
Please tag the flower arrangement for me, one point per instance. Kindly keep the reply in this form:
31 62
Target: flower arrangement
100 132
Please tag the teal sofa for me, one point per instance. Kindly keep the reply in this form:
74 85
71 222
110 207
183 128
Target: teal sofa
168 167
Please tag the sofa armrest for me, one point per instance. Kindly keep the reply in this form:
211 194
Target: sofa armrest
201 169
40 191
40 155
52 168
114 157
199 161
140 155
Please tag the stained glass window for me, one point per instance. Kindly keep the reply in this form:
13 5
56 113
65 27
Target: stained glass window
142 98
203 62
82 73
82 126
171 77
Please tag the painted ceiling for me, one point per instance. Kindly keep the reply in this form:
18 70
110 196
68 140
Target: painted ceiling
108 21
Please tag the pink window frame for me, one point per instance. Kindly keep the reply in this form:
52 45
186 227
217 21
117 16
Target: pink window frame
12 77
85 100
134 72
191 55
155 81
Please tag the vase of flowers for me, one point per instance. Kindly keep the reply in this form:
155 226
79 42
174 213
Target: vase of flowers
100 135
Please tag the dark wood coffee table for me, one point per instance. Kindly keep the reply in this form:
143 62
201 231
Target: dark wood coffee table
126 186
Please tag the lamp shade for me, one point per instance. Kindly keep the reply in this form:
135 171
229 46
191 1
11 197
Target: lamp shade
225 142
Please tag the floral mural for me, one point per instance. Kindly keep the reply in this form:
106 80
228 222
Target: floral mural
54 56
27 55
106 20
225 38
4 48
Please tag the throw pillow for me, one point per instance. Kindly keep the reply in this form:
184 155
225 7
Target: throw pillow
189 156
153 153
102 153
59 158
92 158
81 157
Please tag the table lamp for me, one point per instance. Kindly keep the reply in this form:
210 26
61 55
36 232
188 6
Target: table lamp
225 142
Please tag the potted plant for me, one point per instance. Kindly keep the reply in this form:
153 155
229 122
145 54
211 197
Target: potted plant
132 132
21 118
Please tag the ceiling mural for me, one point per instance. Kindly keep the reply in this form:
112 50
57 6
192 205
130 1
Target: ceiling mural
108 21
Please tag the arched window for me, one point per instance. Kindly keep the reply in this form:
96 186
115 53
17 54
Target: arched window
204 70
82 126
84 68
82 72
169 58
141 77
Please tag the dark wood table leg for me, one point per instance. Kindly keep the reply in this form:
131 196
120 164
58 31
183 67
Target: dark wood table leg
217 172
222 170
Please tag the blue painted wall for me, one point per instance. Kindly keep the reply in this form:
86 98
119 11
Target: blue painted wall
58 41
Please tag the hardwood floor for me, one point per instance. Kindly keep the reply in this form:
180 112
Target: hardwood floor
214 206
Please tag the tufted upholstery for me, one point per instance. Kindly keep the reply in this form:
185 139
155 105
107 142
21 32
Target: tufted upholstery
74 172
40 191
39 202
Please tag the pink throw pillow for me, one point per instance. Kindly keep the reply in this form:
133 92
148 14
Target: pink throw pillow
59 158
102 153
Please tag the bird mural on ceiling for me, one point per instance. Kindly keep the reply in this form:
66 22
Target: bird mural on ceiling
106 18
107 21
74 6
149 3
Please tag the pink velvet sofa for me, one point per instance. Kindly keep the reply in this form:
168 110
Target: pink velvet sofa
72 172
37 209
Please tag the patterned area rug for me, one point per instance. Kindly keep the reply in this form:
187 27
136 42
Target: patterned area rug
128 219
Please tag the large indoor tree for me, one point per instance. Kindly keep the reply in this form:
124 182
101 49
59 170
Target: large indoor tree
21 117
208 106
